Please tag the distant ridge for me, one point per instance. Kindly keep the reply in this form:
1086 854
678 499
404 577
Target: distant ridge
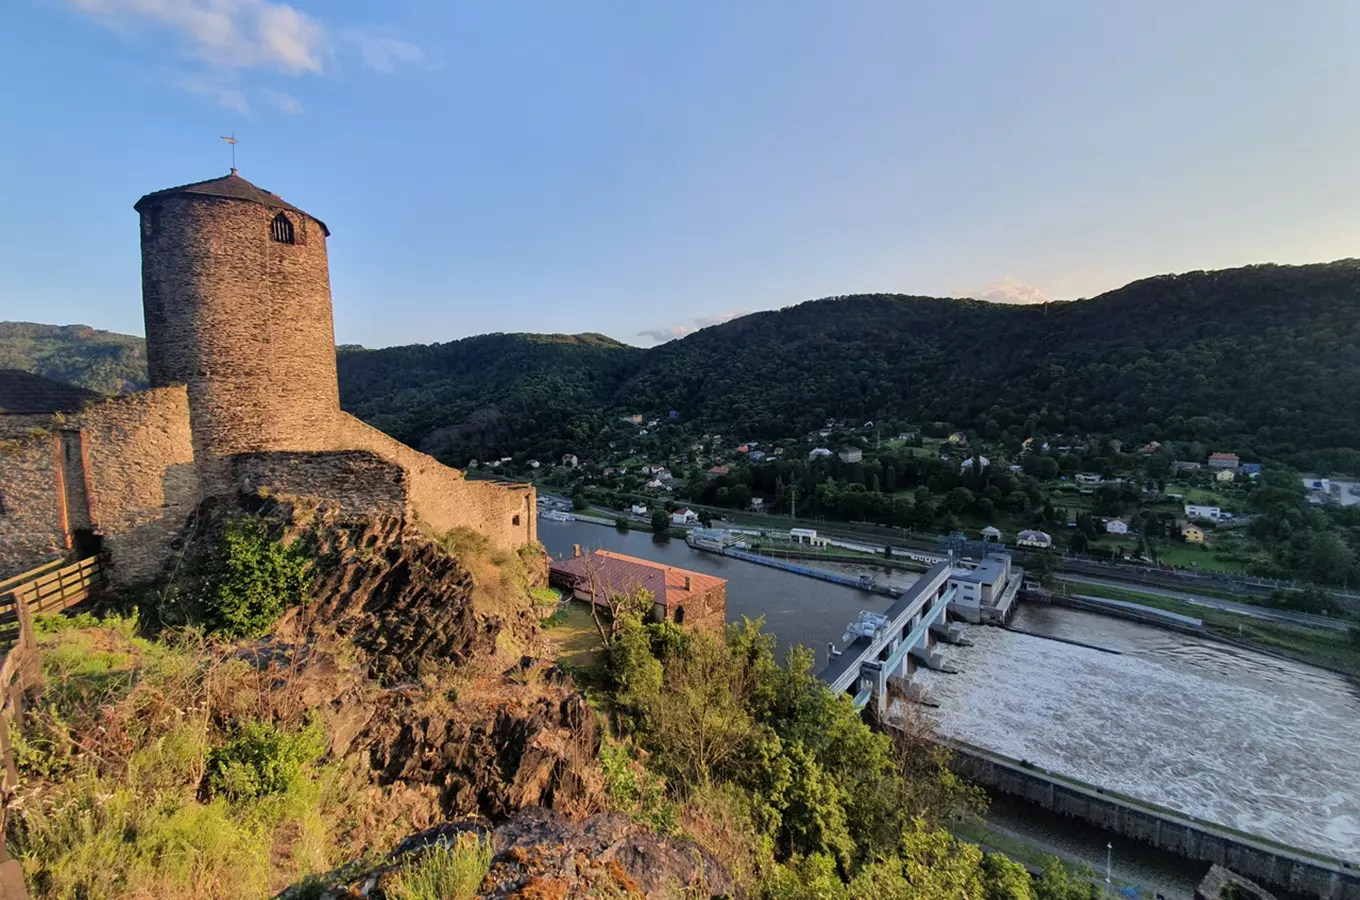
1266 356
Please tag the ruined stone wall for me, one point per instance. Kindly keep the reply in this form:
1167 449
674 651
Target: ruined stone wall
243 321
22 426
32 514
355 482
141 481
442 498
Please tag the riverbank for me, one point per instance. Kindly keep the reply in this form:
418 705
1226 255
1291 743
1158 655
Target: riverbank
1335 651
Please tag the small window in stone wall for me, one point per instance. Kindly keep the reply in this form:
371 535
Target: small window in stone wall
679 615
2 504
515 519
281 230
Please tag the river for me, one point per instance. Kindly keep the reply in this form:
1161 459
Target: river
1228 735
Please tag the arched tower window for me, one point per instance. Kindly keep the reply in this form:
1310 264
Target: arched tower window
281 229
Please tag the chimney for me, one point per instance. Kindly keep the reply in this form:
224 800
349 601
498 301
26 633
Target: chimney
686 582
575 549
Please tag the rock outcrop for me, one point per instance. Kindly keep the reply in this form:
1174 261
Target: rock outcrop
542 855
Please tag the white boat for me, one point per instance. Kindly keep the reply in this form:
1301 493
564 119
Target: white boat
556 515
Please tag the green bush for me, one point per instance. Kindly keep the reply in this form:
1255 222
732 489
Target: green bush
251 579
260 759
445 871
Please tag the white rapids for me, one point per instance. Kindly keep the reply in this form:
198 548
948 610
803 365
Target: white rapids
1258 744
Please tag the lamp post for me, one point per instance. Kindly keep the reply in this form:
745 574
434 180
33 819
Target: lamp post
1109 854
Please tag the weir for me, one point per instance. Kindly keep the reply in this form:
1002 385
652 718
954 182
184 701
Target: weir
1264 861
880 646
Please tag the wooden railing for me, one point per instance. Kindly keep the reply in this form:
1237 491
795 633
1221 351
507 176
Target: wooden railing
53 587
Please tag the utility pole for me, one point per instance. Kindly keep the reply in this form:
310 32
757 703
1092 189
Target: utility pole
1109 848
793 501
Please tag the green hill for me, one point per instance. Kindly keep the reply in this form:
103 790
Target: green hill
102 361
1264 358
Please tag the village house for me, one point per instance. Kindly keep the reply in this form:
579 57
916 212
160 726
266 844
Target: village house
1032 538
1204 513
570 461
958 437
991 533
1087 478
1224 461
678 595
1151 447
819 452
757 504
638 509
982 463
851 455
1181 465
807 536
534 464
1191 533
719 470
684 516
1116 526
1225 475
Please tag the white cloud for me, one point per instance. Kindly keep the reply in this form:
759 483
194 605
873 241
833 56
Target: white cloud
671 332
381 51
281 101
1008 290
225 39
223 91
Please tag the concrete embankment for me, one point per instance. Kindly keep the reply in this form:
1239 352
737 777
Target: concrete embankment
1134 612
1260 860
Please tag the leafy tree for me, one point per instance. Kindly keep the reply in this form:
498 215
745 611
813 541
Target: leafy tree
250 579
661 521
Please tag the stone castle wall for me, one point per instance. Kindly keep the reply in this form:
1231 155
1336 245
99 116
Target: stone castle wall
243 321
358 482
442 498
32 526
141 480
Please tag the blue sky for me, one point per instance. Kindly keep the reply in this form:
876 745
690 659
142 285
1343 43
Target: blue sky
640 169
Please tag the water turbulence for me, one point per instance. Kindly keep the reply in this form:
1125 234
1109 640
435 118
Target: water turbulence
1262 745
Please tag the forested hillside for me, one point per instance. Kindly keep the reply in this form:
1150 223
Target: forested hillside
102 361
1266 358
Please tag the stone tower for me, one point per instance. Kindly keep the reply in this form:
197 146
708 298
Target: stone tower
237 299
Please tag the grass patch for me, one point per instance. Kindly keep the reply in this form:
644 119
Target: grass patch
578 640
445 871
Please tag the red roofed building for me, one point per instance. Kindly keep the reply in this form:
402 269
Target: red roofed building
1224 461
678 595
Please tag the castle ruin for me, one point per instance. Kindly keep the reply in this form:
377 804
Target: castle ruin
243 397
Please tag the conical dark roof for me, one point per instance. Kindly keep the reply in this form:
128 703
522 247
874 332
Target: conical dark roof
230 187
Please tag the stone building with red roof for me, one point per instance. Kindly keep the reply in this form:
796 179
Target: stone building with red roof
678 595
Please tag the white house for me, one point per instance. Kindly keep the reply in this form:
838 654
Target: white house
638 509
807 536
1031 538
757 504
1087 478
1321 485
534 464
851 455
570 461
967 464
1204 513
654 484
684 516
1116 526
819 452
991 533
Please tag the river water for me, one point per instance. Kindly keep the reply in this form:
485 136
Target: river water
1252 742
